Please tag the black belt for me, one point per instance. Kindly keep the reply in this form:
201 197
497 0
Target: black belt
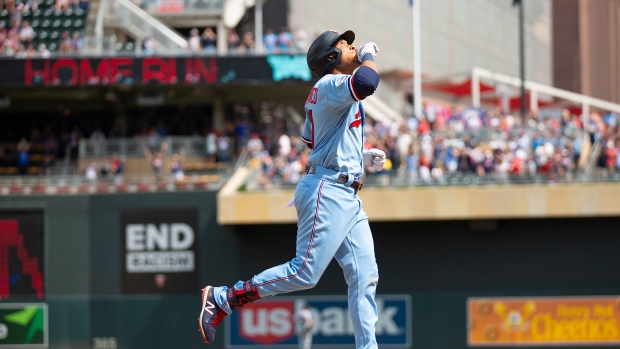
342 178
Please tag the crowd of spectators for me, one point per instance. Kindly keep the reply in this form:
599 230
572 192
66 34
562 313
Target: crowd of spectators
431 149
468 142
19 38
284 41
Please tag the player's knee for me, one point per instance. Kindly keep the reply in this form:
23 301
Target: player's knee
308 281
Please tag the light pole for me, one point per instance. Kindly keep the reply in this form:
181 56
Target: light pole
521 55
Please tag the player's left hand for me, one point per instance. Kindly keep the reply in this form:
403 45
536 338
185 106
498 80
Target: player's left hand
374 157
370 47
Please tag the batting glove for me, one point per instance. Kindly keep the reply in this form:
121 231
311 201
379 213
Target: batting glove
374 157
370 47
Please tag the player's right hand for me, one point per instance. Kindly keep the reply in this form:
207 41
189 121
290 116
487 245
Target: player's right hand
370 47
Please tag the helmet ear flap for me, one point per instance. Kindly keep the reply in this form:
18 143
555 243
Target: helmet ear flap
329 63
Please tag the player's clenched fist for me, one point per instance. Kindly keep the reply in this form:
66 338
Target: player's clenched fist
370 47
374 157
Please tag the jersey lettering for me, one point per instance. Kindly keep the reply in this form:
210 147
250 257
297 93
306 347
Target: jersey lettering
312 96
357 121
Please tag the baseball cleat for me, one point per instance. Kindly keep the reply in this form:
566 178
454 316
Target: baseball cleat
210 315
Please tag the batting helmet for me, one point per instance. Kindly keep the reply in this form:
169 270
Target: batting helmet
319 53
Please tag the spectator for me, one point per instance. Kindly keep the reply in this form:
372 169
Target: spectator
176 165
97 134
23 158
255 148
31 52
43 52
26 33
247 44
117 164
90 171
305 323
31 5
62 5
193 41
211 146
10 44
300 40
74 141
105 168
148 46
233 40
284 145
285 40
156 159
84 4
65 45
21 52
209 40
76 42
270 40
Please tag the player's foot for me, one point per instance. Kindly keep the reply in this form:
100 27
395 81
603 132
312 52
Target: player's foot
210 315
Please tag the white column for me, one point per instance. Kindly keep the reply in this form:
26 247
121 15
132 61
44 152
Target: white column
417 60
258 26
533 100
475 88
222 35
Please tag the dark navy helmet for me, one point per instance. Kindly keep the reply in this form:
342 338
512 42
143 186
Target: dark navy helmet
319 53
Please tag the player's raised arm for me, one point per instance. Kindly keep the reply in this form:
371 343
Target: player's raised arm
366 55
366 77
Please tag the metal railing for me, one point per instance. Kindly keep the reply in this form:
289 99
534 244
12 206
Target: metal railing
176 7
105 45
535 88
142 25
80 184
403 179
135 146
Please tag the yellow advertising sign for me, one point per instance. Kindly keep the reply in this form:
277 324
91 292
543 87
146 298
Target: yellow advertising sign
543 321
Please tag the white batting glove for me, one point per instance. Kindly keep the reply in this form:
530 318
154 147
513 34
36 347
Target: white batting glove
370 47
374 157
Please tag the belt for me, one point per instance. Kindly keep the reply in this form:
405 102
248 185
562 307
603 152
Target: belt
341 178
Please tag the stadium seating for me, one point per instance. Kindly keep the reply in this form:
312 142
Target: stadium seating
48 23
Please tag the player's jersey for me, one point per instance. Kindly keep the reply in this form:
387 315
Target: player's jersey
334 125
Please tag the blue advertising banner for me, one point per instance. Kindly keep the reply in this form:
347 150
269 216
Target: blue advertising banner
272 322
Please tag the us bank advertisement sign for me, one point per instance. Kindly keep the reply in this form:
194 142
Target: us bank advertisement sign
544 321
159 250
271 323
23 325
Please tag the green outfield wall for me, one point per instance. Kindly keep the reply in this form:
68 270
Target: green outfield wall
102 290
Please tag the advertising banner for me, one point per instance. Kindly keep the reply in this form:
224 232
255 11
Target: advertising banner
23 325
544 321
272 323
159 250
21 254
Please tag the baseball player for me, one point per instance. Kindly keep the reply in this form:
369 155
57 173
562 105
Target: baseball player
331 221
305 323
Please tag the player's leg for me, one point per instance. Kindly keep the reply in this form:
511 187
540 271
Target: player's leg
356 256
324 218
